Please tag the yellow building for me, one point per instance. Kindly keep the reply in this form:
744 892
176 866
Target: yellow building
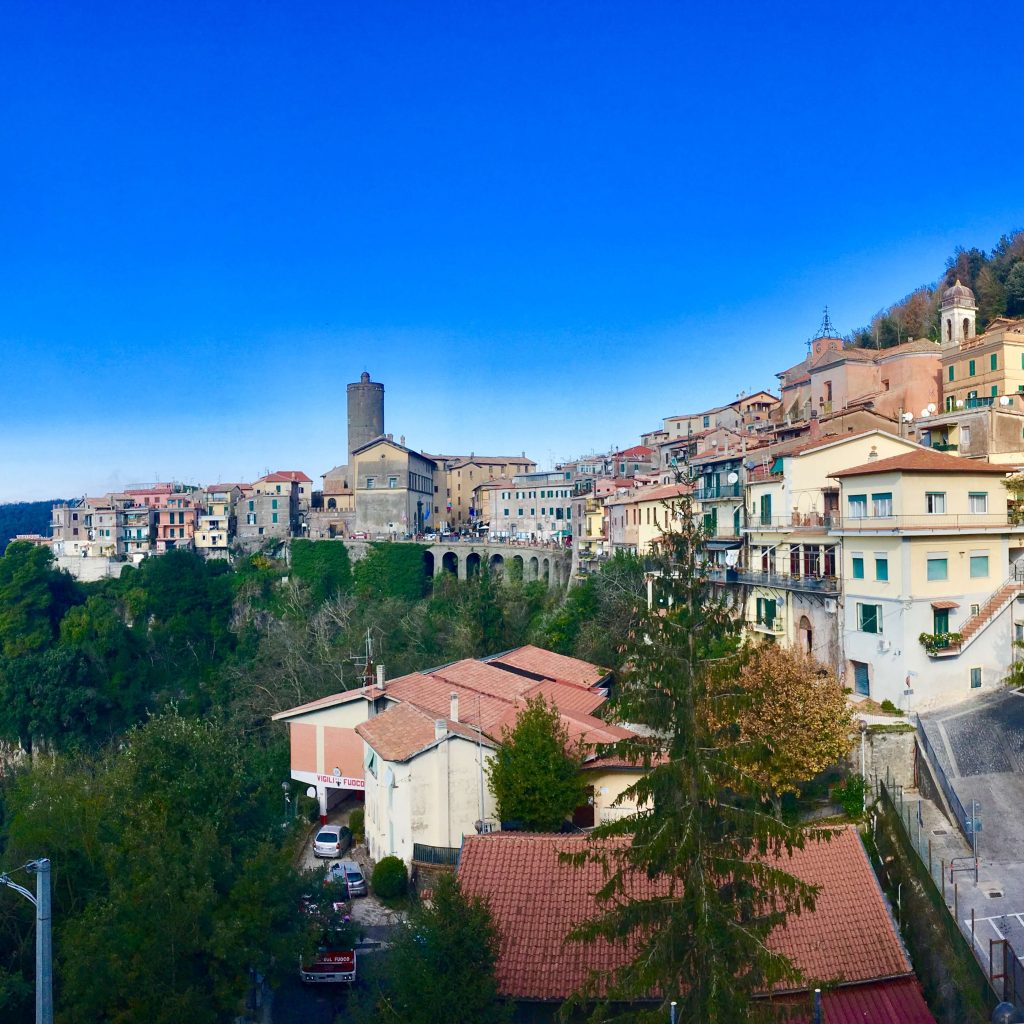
654 511
986 369
462 475
792 567
930 577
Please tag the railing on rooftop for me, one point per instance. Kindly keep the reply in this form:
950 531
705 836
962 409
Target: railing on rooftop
425 854
718 491
809 583
794 521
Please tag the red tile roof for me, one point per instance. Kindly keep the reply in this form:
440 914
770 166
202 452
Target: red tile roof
345 697
552 665
923 460
292 474
850 934
899 1001
404 730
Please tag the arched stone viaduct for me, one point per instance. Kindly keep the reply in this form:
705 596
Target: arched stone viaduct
464 559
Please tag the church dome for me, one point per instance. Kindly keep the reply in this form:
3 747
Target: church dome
958 295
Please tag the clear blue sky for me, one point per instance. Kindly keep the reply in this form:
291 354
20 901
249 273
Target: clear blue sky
543 226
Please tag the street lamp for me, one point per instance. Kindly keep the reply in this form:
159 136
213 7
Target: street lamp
44 939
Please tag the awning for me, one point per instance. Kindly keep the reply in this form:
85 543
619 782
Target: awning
723 545
944 606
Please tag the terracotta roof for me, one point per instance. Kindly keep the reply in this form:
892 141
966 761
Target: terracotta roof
551 665
637 451
434 695
662 493
293 474
899 1001
850 935
363 692
403 731
922 460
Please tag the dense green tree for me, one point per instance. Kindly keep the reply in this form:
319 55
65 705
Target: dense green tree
171 879
323 565
441 968
24 517
535 774
1015 290
392 570
703 834
33 598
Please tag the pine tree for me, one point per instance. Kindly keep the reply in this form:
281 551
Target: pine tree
705 835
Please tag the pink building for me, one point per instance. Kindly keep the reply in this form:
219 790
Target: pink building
176 519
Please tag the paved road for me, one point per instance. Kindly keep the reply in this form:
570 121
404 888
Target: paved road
980 747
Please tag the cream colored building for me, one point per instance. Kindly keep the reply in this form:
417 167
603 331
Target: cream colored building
425 781
215 528
793 561
394 489
461 475
984 369
928 550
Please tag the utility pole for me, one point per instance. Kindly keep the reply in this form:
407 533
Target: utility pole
44 938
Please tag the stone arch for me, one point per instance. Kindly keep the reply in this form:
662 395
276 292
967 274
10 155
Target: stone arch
534 568
497 564
428 564
545 568
332 503
450 563
472 564
806 632
518 567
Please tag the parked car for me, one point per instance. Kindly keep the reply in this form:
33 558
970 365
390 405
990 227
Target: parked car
332 841
431 537
349 872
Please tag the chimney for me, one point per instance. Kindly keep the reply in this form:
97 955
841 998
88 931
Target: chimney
380 676
454 715
440 729
815 429
401 440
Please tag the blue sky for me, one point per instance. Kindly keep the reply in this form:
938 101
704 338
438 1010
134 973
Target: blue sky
543 226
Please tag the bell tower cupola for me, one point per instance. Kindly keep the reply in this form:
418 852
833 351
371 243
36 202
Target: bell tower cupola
957 314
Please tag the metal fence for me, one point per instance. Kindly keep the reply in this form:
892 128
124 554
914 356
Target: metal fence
963 819
425 854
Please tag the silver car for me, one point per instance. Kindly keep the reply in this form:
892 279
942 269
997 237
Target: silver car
352 875
331 841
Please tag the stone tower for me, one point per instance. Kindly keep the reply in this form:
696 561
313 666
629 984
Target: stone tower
957 315
365 412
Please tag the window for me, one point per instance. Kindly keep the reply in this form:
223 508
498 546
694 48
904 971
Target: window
881 569
940 620
858 567
520 511
970 368
858 506
766 509
371 762
251 506
935 502
278 488
951 373
977 502
995 390
707 421
965 437
370 483
869 618
766 609
881 503
273 502
993 362
273 517
506 512
979 566
392 482
975 608
861 679
938 568
975 678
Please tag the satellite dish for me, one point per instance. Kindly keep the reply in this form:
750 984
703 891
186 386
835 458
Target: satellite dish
1005 400
732 477
959 403
781 602
731 558
749 464
924 413
311 792
932 407
336 772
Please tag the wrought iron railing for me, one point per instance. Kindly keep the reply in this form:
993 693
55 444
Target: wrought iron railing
425 854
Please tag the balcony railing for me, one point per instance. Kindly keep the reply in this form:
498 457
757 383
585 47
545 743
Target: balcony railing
775 627
777 580
946 447
719 491
795 521
978 403
939 522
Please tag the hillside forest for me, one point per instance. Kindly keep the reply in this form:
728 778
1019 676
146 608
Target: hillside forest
139 756
996 278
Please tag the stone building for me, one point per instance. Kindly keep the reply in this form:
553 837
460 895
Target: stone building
394 489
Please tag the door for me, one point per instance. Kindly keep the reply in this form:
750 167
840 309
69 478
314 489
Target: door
861 682
583 816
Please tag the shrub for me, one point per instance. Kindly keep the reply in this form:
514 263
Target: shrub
890 708
390 879
357 822
850 795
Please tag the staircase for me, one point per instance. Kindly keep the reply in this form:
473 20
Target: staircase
990 609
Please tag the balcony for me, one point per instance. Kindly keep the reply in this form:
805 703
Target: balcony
773 628
945 447
776 580
718 492
797 521
977 403
967 522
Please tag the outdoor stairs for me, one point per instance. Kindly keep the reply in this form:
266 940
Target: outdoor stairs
996 604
